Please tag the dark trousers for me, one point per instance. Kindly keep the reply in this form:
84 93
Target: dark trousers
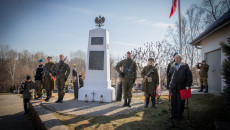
153 100
75 85
177 105
26 104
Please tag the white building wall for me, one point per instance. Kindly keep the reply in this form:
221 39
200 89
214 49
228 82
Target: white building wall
211 43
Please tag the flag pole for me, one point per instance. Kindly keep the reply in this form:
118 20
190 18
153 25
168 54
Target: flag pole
180 50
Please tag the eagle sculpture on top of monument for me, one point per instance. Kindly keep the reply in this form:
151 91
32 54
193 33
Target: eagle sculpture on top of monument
99 21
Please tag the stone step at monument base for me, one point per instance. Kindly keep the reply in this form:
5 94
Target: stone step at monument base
94 94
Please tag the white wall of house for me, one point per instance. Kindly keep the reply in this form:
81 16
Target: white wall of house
211 43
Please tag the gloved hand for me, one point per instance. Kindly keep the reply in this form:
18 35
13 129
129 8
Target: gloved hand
122 73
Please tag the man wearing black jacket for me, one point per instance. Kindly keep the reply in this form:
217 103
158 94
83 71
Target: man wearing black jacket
181 77
38 79
169 65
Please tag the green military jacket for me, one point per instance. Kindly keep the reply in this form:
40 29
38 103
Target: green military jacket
203 70
48 81
132 74
151 83
64 70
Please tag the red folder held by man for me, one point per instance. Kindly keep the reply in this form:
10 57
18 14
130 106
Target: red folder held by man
184 93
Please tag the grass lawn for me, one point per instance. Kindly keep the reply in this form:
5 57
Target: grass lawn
204 110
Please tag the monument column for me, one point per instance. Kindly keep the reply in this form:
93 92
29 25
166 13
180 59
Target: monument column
97 81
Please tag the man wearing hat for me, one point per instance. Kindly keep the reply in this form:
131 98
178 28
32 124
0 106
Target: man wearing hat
169 65
63 71
128 78
181 77
38 79
48 79
150 82
203 75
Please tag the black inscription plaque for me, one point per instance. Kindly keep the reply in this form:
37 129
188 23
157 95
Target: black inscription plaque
96 60
97 40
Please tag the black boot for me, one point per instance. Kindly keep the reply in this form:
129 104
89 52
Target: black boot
206 89
59 99
146 102
47 96
201 88
153 102
129 101
125 103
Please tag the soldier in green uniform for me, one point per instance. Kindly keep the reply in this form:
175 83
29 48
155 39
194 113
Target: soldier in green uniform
150 82
48 79
203 75
62 71
128 78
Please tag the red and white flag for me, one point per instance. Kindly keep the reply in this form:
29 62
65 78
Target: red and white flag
173 7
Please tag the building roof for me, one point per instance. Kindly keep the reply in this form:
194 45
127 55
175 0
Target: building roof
221 22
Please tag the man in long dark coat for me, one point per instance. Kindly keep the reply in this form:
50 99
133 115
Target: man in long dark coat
181 77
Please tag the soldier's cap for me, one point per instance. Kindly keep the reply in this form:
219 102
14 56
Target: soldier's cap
151 59
175 53
61 55
74 64
203 60
41 60
128 52
28 77
49 57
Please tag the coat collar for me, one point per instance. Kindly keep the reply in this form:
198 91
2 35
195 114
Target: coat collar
174 64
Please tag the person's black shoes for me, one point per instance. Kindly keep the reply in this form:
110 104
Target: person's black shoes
129 101
154 106
125 103
39 98
49 100
57 101
201 88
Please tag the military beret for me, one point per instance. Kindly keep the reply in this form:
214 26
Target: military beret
203 60
175 53
41 60
49 57
150 59
129 52
28 77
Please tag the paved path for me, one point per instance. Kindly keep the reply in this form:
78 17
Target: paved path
11 114
75 107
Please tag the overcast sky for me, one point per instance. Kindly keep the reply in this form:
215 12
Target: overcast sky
62 26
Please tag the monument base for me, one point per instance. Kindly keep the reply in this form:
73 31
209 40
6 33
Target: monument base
107 93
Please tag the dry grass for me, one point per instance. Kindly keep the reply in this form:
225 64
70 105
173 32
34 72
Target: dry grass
204 110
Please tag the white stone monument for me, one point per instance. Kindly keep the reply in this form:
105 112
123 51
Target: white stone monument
97 81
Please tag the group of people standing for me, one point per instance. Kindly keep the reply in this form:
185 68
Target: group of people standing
179 76
44 79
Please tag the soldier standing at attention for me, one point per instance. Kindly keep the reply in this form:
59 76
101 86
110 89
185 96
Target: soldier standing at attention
75 80
48 79
128 78
62 71
203 76
150 82
38 79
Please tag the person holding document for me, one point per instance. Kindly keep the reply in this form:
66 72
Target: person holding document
179 78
